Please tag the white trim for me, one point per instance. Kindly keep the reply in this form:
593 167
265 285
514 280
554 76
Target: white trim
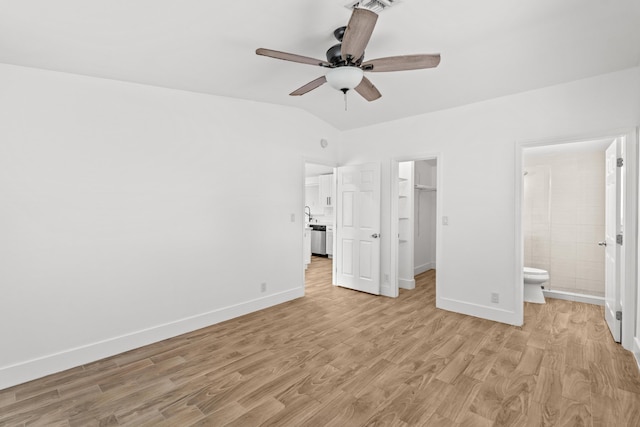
393 285
629 287
477 310
36 368
636 351
572 296
406 283
519 238
424 267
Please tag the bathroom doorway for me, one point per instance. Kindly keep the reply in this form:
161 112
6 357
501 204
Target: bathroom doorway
563 218
562 215
415 209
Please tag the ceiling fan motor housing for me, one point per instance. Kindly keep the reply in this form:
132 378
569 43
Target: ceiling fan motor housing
334 56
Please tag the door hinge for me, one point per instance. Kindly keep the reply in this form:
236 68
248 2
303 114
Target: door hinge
620 162
618 315
619 239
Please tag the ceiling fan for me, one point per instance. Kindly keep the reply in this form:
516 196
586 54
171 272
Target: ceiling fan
345 59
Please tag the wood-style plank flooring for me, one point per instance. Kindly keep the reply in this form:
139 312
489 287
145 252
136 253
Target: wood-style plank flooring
343 358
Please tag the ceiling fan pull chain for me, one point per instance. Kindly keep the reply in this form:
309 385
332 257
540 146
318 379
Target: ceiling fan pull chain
345 100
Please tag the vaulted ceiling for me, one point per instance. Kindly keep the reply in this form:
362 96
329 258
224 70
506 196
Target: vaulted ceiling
489 48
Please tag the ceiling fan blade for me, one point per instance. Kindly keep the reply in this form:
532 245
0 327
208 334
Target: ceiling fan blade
358 32
309 86
368 90
402 63
292 57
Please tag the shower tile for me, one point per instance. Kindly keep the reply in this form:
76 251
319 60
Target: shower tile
590 233
564 200
541 229
561 268
542 217
564 233
590 252
541 247
540 262
564 217
565 251
591 215
590 287
592 196
564 282
590 270
562 289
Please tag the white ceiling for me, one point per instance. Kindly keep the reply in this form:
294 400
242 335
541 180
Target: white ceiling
489 48
312 169
596 145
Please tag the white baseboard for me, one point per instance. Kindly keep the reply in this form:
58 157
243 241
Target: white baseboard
570 296
476 310
406 283
424 267
36 368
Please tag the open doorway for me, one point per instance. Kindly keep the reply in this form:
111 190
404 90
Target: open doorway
319 221
576 197
563 220
415 209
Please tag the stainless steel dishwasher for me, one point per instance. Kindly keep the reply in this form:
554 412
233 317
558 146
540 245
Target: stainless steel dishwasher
318 239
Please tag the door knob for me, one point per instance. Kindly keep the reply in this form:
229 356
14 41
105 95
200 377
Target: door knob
375 235
602 243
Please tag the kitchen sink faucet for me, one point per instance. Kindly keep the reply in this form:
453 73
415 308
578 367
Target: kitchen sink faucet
307 213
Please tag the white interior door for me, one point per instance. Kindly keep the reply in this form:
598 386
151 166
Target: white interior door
358 228
612 280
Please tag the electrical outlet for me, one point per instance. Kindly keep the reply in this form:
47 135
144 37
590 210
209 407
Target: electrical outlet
263 287
495 297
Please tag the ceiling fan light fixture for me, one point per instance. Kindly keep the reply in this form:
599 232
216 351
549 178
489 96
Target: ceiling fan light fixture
344 78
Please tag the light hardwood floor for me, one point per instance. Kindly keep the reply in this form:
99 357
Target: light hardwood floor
343 358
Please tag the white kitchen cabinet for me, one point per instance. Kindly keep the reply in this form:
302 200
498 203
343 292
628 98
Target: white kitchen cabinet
307 247
326 191
329 237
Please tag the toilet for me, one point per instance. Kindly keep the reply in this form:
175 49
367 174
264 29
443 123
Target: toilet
533 280
535 276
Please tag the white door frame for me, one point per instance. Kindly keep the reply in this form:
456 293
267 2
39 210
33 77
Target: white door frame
629 286
333 165
393 265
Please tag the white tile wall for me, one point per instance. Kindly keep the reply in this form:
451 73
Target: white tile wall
563 219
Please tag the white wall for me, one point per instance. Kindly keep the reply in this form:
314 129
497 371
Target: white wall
130 213
477 145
